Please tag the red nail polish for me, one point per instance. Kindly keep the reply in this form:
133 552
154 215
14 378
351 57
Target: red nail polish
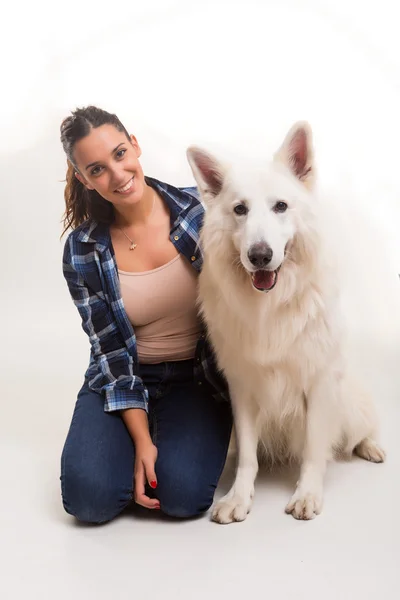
153 484
158 507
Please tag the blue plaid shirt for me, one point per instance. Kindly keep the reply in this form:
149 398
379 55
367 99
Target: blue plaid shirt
91 273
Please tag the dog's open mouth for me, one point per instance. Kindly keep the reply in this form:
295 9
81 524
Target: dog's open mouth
264 280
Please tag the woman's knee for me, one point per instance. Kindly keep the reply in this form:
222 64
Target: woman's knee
91 499
185 500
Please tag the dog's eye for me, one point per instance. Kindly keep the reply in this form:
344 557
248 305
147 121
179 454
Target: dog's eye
280 207
241 209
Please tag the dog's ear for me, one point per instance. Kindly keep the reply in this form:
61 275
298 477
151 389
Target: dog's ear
207 171
297 153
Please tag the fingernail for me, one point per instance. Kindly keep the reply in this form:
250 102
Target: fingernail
153 484
158 507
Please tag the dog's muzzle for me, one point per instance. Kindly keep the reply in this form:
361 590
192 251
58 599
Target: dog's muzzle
260 256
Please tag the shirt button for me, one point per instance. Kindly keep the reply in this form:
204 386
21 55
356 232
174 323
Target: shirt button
176 237
193 258
199 383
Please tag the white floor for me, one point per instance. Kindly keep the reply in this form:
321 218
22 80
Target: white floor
351 551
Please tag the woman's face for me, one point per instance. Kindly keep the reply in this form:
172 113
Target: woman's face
109 163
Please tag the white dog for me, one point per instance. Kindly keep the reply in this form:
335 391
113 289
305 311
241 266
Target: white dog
269 295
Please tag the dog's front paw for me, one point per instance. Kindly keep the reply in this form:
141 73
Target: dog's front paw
232 508
305 505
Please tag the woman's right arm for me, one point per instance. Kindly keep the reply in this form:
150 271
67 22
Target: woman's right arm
114 376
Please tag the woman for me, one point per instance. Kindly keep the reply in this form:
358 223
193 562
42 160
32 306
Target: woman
150 422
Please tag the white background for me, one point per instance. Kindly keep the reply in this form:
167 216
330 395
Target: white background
233 75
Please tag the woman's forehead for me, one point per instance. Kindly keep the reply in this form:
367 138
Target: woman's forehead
99 144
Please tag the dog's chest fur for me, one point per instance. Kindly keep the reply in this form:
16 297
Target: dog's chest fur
276 348
257 331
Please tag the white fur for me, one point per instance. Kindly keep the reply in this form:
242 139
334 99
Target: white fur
282 351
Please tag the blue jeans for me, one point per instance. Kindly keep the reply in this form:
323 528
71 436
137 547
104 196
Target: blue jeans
190 429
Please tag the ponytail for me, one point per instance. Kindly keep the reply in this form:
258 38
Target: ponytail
76 198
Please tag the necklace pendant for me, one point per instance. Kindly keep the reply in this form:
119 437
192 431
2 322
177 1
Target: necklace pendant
132 246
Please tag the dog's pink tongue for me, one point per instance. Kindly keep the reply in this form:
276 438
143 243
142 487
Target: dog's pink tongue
264 280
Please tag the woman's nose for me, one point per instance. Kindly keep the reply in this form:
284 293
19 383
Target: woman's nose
118 177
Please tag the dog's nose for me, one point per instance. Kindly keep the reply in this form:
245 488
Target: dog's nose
260 255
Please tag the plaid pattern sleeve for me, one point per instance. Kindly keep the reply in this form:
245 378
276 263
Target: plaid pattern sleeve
113 374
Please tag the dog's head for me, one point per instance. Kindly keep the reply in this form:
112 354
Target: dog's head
260 211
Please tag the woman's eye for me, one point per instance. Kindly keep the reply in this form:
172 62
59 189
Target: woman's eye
96 170
280 207
121 152
241 209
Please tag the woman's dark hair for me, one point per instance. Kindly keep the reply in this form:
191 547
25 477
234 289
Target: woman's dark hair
81 203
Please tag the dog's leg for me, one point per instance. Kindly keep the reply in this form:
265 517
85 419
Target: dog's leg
322 432
236 505
361 423
370 450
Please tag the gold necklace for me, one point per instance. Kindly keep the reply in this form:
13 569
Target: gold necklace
133 245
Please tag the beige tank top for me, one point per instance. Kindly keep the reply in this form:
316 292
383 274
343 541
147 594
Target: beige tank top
161 305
